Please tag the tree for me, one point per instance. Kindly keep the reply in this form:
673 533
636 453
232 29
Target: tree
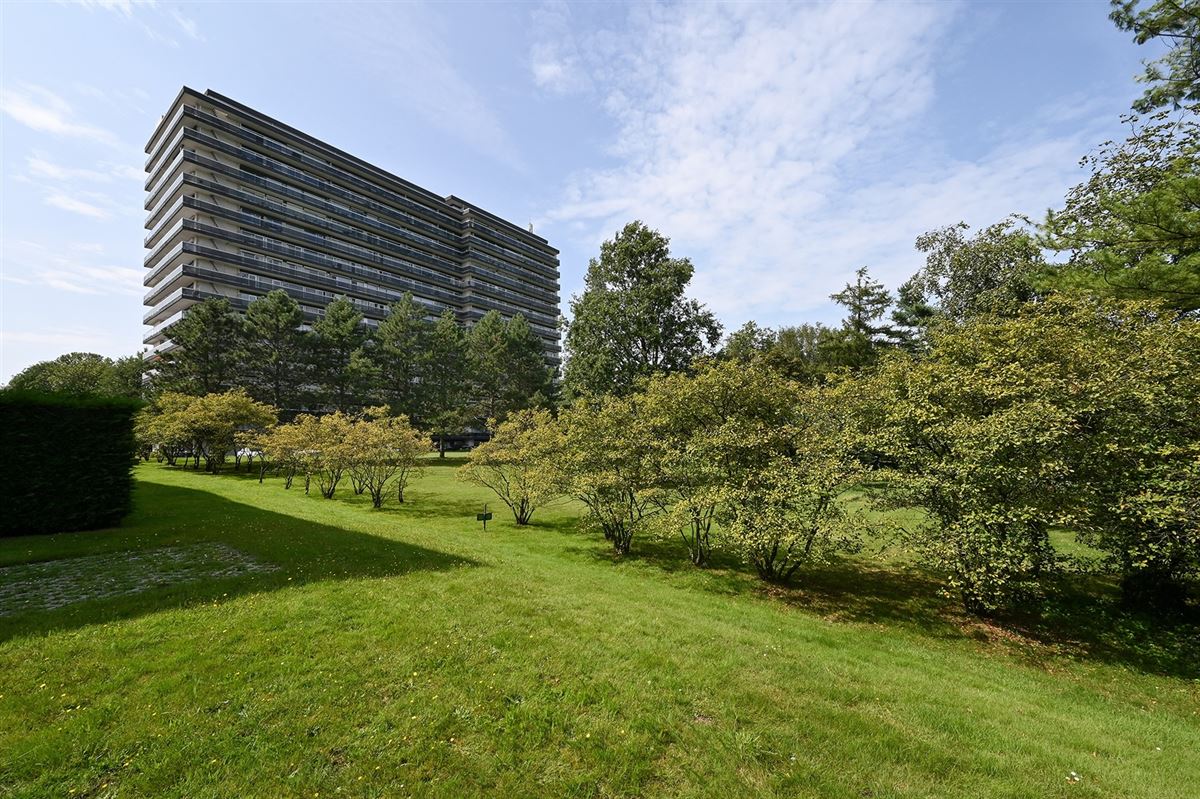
327 447
605 465
83 374
445 384
207 352
216 419
857 343
1173 79
208 426
162 426
806 353
865 301
385 451
991 272
1132 230
742 446
488 366
1073 413
400 343
748 343
702 434
342 368
129 376
530 381
517 463
911 318
1142 468
632 319
276 349
286 446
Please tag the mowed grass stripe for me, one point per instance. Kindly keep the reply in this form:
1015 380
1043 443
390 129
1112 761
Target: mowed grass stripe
407 652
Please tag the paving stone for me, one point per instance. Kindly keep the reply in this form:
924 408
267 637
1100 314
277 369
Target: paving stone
47 585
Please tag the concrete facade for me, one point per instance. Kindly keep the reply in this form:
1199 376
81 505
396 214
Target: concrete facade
240 204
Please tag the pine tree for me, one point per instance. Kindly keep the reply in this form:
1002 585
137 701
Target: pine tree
208 350
274 367
445 379
400 343
530 380
341 366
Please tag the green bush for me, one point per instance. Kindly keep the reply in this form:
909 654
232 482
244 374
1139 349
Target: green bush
67 462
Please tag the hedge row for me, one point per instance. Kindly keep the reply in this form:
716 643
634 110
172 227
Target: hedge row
67 462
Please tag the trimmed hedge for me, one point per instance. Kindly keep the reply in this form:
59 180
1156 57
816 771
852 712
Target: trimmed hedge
67 462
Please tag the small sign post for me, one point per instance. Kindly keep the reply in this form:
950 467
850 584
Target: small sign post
484 517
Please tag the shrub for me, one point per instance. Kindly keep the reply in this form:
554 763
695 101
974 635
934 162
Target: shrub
516 463
67 462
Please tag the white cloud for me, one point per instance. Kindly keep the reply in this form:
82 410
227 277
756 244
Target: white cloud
554 59
123 7
187 25
44 111
77 206
40 166
128 9
79 268
783 146
406 48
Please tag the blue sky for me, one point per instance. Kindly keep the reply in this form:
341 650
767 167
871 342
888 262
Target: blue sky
779 146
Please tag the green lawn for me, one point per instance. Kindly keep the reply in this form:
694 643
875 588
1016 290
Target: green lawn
406 652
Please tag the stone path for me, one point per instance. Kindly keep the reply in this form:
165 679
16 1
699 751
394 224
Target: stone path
52 584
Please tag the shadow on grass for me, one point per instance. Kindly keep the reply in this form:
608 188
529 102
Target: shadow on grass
302 551
1083 618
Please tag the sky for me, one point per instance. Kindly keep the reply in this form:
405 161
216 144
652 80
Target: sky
779 146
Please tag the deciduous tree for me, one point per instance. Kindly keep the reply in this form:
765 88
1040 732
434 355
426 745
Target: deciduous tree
632 318
518 463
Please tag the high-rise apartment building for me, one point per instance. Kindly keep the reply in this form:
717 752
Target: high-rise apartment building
240 204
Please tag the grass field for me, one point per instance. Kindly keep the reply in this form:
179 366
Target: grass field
282 645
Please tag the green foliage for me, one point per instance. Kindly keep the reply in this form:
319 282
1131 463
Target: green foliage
519 462
1143 448
507 366
83 374
788 511
632 319
606 466
1132 230
1057 417
399 355
206 426
385 452
487 362
529 382
67 461
342 368
276 355
1174 79
805 353
992 272
911 317
378 450
208 350
445 380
